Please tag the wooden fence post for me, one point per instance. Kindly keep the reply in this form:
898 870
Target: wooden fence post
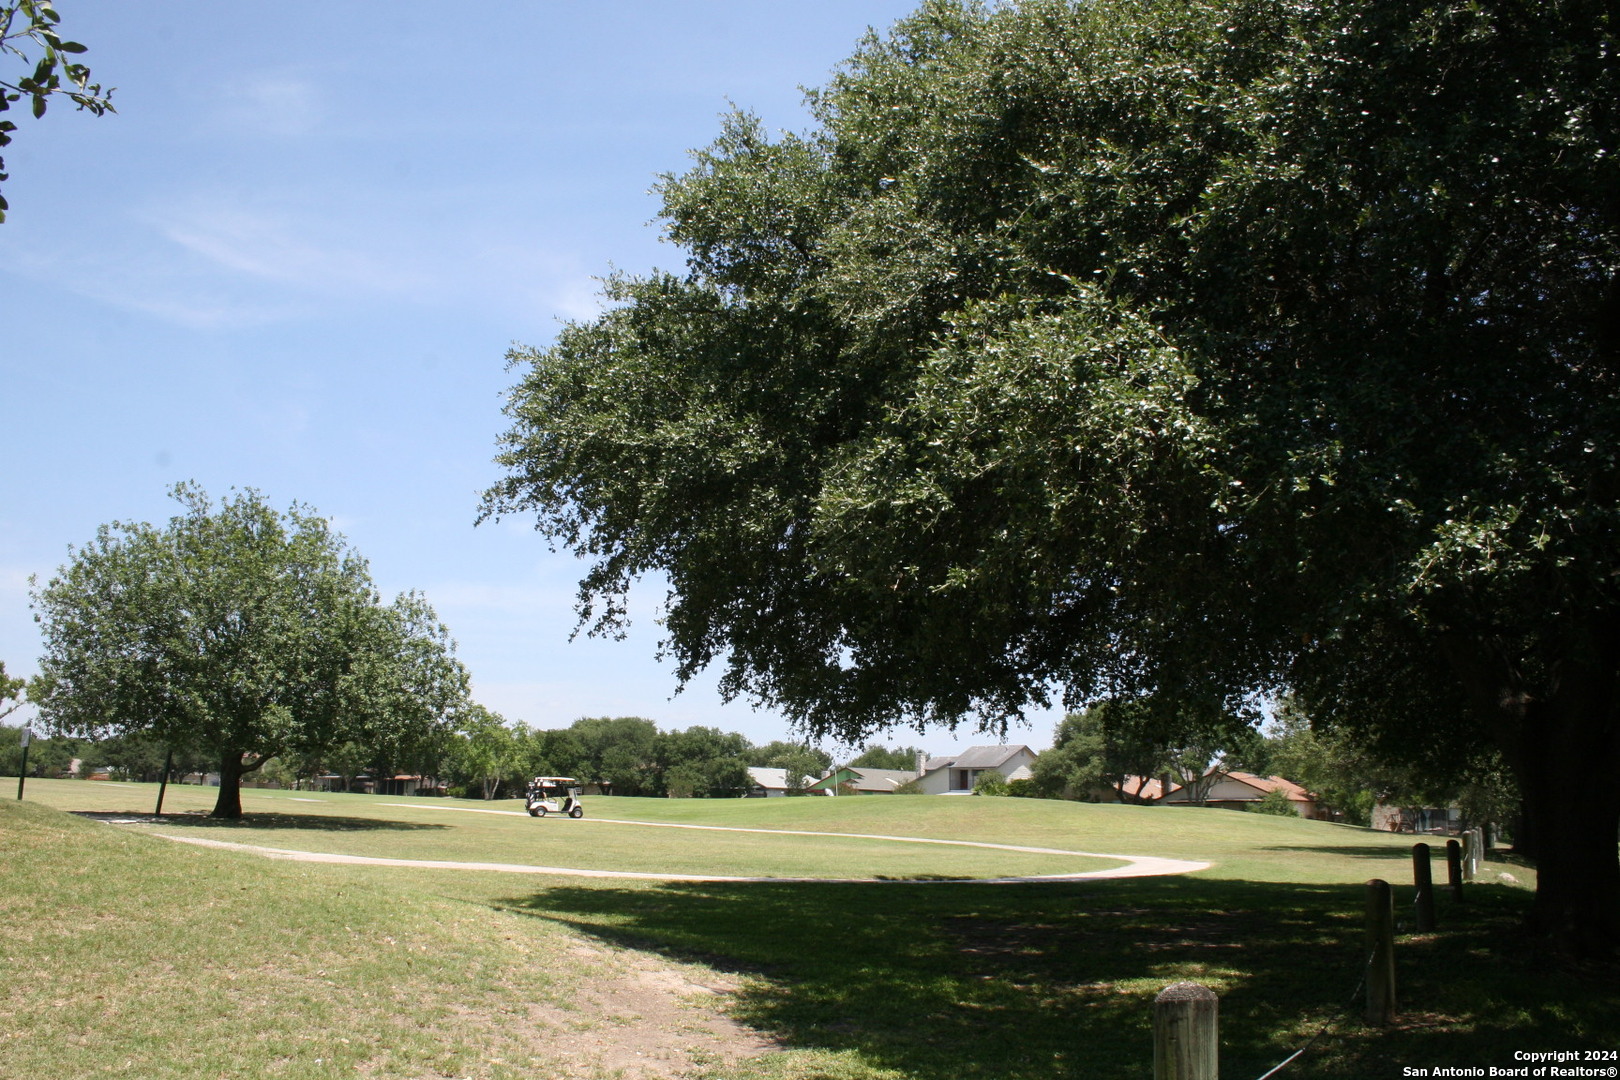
1423 881
1186 1033
1453 868
1380 952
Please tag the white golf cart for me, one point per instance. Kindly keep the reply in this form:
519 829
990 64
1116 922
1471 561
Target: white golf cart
553 795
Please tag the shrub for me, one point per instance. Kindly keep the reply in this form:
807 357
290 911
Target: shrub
990 782
1276 802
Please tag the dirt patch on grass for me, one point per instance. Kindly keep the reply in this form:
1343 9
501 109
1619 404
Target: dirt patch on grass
641 1018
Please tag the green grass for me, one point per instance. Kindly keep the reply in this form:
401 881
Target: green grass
191 947
468 831
128 956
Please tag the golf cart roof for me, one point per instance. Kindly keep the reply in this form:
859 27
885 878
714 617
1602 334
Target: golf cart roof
553 781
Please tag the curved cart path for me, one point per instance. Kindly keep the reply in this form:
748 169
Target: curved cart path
1135 865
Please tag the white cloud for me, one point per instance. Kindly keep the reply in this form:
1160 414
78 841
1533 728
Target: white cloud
306 255
226 261
270 103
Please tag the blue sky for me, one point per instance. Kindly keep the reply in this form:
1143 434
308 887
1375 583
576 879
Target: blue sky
295 259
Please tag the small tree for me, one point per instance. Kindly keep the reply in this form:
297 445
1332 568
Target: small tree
489 754
243 631
1277 802
800 761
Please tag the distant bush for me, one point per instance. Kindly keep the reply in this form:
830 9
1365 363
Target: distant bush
991 782
1025 788
1275 802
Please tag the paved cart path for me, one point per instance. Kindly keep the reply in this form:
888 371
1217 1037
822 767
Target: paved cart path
1134 865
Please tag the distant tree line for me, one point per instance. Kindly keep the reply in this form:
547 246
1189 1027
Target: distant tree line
487 758
629 755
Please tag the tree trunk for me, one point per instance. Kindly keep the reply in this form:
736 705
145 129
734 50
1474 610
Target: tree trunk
1526 837
1567 757
229 803
1562 740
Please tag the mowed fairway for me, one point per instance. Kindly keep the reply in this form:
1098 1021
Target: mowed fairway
730 838
754 837
132 955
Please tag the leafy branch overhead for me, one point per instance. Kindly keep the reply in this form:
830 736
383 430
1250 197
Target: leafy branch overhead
27 27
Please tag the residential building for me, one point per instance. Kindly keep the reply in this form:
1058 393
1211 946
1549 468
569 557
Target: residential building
955 774
766 783
863 781
1235 790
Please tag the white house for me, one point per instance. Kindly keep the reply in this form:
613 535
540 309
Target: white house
863 781
771 783
955 774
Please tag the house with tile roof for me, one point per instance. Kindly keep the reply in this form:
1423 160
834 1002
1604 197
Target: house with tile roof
1137 791
1235 790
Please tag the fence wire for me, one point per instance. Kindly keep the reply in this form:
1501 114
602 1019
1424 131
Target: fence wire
1332 1019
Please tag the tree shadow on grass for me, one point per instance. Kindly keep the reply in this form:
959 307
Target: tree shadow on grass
1362 851
1036 982
312 822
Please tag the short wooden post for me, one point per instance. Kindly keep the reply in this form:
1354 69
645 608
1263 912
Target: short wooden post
1468 854
1454 869
1186 1033
1423 882
1380 952
1477 849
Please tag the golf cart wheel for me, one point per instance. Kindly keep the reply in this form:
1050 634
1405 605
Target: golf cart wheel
535 811
577 812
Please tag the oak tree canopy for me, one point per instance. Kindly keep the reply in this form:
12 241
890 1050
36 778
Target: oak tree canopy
1122 347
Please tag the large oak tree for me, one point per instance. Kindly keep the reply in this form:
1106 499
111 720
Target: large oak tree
243 630
1141 346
